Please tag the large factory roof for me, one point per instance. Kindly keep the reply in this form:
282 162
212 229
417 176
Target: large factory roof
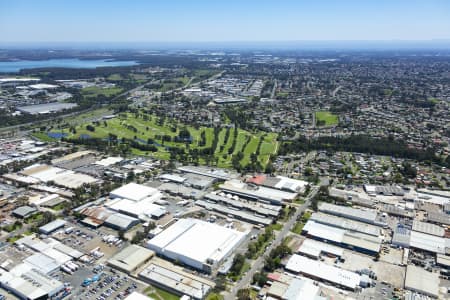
196 240
134 191
317 269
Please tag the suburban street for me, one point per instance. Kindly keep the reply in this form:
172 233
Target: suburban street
259 263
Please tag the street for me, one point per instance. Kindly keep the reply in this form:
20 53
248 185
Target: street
259 263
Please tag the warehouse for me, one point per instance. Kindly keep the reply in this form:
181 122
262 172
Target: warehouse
200 182
356 241
387 190
236 213
421 281
52 226
97 216
366 216
131 258
24 212
196 243
143 209
294 288
220 174
319 270
314 249
121 222
28 283
172 278
280 183
259 193
62 177
135 192
261 209
42 262
346 224
45 108
438 218
172 177
428 228
401 237
430 243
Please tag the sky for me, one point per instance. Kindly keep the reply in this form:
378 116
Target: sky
222 21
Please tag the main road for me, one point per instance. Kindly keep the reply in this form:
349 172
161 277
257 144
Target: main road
259 262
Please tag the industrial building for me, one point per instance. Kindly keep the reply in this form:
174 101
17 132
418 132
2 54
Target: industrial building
235 202
46 108
143 209
294 289
258 193
96 216
347 224
315 249
239 214
61 177
128 260
428 228
137 296
319 270
24 212
52 226
366 216
421 281
280 183
401 236
27 282
172 278
198 244
429 243
384 190
135 192
356 241
220 174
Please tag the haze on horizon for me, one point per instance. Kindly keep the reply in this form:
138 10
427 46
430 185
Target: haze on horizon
26 21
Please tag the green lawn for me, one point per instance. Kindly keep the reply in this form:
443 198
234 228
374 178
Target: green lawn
326 118
114 77
94 91
144 127
160 294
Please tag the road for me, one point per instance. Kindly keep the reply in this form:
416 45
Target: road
259 263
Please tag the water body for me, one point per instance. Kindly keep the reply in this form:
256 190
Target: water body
16 66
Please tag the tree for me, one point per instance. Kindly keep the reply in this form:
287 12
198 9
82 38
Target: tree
244 294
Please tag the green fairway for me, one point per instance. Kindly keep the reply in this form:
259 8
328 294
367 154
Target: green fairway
326 118
143 127
94 91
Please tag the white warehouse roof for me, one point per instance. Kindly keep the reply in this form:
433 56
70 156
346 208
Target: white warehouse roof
196 243
429 242
421 281
317 269
135 192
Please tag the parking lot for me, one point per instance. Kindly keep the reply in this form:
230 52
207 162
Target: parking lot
111 284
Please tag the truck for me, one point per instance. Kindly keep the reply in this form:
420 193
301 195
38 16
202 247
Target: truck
72 265
69 230
66 269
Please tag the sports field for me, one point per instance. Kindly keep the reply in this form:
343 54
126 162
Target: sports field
326 118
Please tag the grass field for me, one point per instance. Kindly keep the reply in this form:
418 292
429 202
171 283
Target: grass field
326 118
160 294
114 77
143 127
94 91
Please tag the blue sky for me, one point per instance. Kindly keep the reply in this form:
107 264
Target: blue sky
226 20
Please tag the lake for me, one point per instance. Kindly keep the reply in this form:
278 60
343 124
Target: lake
16 66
